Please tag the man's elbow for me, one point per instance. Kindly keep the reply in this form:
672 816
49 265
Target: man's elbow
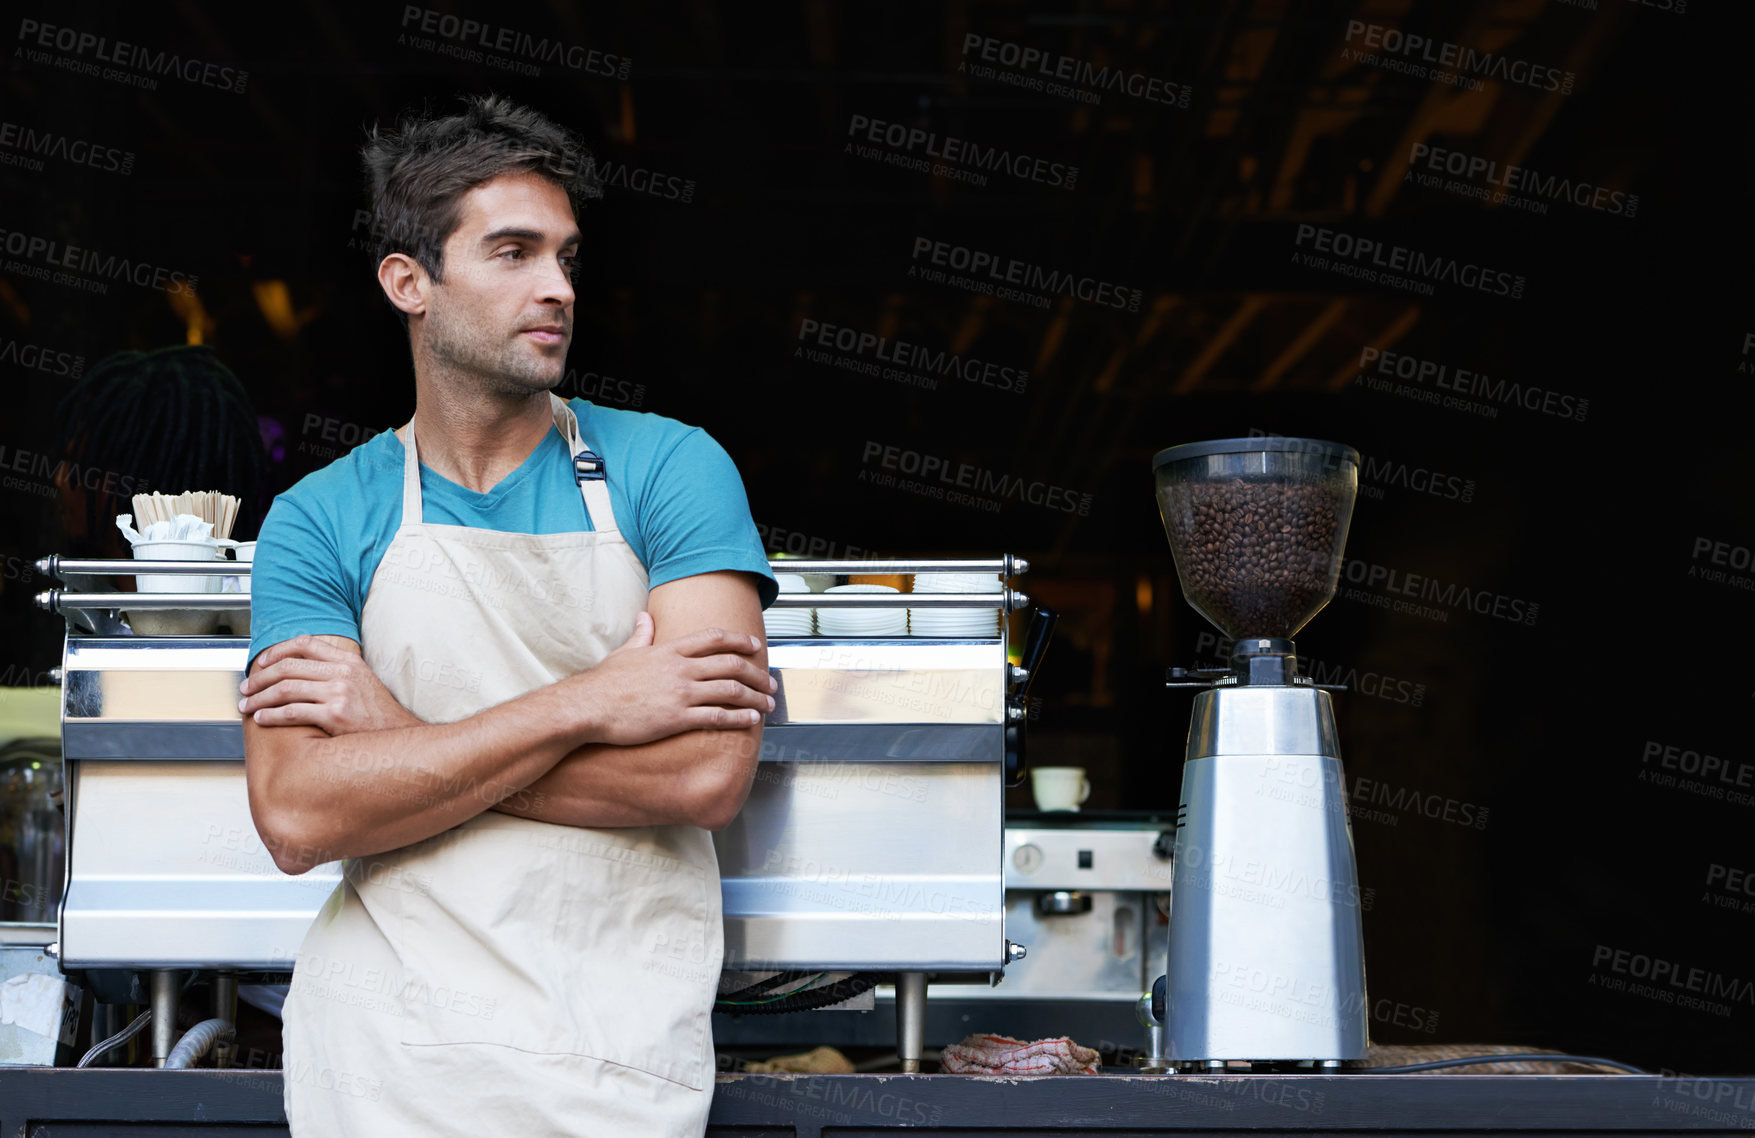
724 783
284 829
295 848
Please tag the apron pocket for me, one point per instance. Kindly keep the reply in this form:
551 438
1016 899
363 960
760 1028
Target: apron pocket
558 940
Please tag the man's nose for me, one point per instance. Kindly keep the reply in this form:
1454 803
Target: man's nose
553 284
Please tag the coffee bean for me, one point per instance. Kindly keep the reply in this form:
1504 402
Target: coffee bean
1258 558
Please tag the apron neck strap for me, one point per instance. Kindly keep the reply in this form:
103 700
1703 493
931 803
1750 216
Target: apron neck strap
595 491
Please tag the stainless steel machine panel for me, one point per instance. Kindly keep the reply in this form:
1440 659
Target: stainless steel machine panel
166 871
866 867
902 681
164 866
1086 858
868 840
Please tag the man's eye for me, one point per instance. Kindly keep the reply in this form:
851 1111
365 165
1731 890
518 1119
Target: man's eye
515 254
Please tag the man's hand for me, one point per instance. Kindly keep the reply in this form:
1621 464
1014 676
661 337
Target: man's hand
324 682
706 680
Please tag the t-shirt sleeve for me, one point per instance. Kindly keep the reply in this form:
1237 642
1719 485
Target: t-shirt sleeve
695 517
297 582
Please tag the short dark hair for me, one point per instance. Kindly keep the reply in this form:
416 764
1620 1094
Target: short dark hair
418 173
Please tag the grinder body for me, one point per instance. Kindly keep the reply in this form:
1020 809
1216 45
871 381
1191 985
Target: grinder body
1266 958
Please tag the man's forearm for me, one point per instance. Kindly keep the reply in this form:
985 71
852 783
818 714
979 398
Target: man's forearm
698 778
371 791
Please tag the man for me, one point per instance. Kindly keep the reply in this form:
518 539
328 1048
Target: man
507 662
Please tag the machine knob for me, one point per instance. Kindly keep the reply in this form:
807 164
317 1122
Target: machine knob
1165 847
1063 902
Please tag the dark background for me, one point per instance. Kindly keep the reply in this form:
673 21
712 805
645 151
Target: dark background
1501 921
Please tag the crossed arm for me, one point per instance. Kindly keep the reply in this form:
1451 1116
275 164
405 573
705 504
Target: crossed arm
666 730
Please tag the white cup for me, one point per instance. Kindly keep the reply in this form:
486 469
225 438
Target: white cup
1059 788
171 622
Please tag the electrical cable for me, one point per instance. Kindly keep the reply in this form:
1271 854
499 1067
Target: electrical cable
1508 1057
768 985
762 987
807 999
117 1039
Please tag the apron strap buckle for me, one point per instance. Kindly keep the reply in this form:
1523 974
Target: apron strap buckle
587 467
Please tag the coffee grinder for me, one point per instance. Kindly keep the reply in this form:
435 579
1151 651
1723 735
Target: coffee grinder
1265 966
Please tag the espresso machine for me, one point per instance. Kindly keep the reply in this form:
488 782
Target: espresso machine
871 846
1265 964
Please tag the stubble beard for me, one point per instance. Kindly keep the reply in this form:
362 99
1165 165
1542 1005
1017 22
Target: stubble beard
466 345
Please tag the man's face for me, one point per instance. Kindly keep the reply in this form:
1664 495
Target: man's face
504 312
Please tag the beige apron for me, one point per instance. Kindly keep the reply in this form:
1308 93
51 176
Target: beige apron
507 976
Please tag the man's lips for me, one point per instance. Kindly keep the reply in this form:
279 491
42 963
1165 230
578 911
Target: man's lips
545 335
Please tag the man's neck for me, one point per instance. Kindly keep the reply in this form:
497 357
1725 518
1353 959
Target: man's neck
474 438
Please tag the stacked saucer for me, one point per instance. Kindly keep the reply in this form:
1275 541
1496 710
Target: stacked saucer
788 621
935 621
862 622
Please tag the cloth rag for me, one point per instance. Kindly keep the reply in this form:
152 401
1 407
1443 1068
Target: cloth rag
1003 1055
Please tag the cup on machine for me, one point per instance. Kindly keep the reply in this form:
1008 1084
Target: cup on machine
170 622
1059 788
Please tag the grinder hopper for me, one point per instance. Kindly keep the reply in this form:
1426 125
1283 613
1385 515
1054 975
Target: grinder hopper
1257 527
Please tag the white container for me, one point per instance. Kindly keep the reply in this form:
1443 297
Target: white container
171 622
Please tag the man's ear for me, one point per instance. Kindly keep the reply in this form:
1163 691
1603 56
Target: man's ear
405 282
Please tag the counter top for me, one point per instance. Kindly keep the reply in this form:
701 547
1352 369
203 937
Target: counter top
119 1102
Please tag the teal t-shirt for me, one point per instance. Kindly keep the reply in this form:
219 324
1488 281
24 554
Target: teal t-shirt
676 494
